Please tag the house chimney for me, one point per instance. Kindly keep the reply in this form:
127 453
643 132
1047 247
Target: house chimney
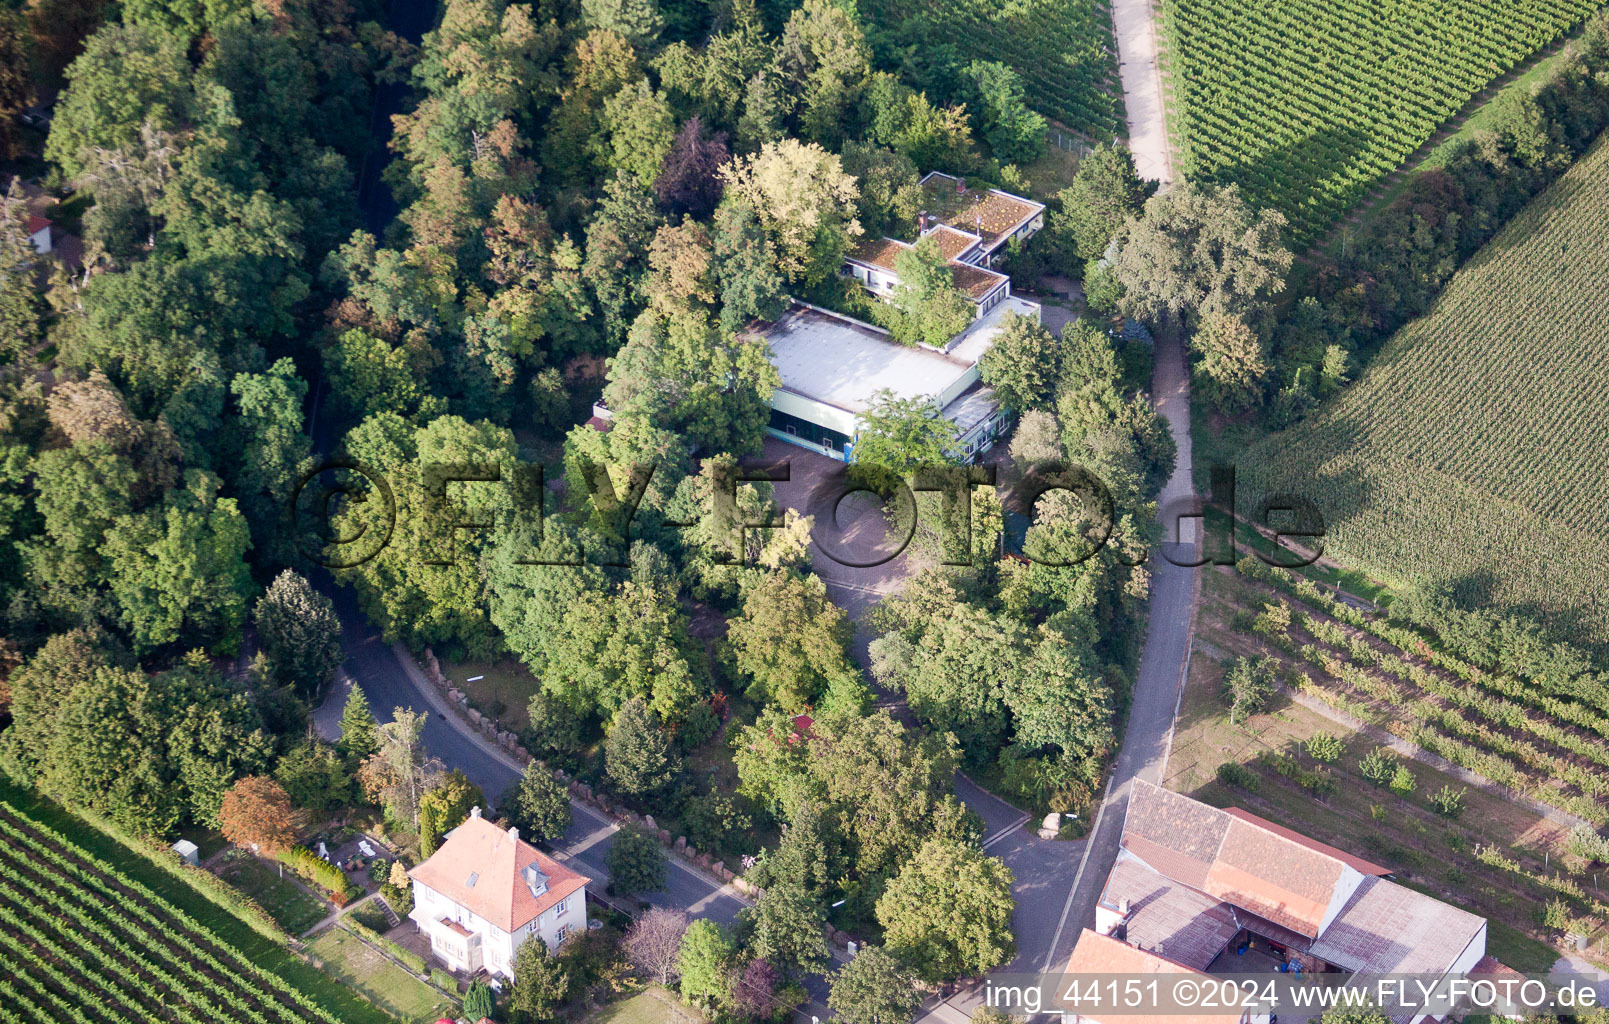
513 832
921 223
960 185
1123 906
474 812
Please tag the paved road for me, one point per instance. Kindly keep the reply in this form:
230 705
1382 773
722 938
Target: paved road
389 680
1163 661
1135 26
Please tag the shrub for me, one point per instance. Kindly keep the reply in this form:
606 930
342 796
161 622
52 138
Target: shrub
1555 915
1585 841
1324 748
1232 774
1377 812
1321 783
478 1001
1378 766
1402 781
321 873
1449 802
713 821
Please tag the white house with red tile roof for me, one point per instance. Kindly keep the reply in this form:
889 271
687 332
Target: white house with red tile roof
486 891
39 234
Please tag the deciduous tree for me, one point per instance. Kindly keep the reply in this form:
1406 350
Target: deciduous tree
653 943
637 755
539 805
636 862
874 988
948 911
791 641
444 807
256 812
925 306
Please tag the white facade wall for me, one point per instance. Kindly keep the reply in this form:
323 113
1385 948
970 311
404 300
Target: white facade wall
489 946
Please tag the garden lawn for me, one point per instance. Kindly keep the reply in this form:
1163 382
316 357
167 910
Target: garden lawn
355 962
653 1005
293 907
504 690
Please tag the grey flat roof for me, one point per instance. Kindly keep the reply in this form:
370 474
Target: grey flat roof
1386 928
970 345
971 407
840 362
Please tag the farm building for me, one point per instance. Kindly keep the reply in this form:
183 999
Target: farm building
833 367
1223 891
1102 955
486 892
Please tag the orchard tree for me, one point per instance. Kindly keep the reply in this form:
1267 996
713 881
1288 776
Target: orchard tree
444 807
1200 250
925 306
948 912
874 988
539 805
653 943
256 812
1105 192
299 632
791 641
637 754
1023 365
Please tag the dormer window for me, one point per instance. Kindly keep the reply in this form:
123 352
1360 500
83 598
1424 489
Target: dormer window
474 876
535 880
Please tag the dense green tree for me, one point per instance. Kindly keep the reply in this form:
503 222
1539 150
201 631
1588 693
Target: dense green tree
808 857
791 641
127 76
368 375
746 267
1199 250
903 434
21 312
638 21
1015 134
948 912
641 128
825 59
804 200
1105 192
706 955
637 756
618 237
636 862
539 806
541 984
1024 364
315 776
788 923
444 806
178 572
1232 369
269 450
890 188
874 988
479 1003
359 731
299 631
39 692
925 306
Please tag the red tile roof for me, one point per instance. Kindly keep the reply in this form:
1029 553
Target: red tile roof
37 224
483 869
1190 927
1357 864
1100 954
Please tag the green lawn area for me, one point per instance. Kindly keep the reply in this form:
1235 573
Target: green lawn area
503 691
208 840
356 963
337 998
653 1005
293 907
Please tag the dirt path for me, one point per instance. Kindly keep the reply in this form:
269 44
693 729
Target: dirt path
1135 24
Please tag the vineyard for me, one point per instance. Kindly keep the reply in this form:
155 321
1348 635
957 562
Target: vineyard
1470 454
1062 49
1307 104
1547 739
84 942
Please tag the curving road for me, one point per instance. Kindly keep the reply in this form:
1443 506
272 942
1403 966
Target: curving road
1163 662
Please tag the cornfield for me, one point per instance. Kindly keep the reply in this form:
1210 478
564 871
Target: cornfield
1472 452
1062 49
83 942
1308 103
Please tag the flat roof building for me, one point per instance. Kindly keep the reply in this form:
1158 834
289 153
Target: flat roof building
833 367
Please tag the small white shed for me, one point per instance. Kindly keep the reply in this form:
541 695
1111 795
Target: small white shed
39 234
187 852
